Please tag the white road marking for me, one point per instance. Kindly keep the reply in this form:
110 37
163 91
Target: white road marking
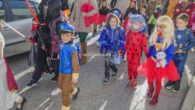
23 73
44 102
104 105
50 105
122 76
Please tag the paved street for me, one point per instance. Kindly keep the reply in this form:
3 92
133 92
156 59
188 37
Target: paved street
94 95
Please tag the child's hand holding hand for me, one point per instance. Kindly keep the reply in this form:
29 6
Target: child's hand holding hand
177 10
179 51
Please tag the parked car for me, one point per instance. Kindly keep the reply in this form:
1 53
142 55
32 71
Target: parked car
17 15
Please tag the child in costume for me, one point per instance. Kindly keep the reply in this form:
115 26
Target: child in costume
185 6
151 7
8 85
69 66
131 9
112 43
103 11
153 18
184 41
136 41
159 64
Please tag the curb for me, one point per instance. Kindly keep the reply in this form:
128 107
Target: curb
189 101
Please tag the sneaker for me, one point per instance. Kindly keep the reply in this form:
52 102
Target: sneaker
114 75
169 85
176 86
32 83
54 79
105 81
56 92
74 97
129 84
20 106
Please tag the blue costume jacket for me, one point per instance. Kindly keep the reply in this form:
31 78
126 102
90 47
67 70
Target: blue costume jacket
184 41
169 51
112 40
66 52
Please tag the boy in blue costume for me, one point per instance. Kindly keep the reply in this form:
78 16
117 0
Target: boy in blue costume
184 41
69 66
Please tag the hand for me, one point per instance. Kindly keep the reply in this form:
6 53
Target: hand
177 10
74 81
44 48
121 53
179 51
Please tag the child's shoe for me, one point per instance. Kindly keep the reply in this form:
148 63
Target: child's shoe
115 74
105 81
176 86
130 84
169 85
154 100
75 95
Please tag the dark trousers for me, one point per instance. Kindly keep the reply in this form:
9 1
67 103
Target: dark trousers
55 65
180 60
40 64
150 28
109 65
113 3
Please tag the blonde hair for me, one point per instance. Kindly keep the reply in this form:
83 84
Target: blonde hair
167 34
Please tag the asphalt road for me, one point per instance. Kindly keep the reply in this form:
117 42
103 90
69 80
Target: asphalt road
94 95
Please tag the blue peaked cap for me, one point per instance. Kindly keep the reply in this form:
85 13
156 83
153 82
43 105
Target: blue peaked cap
66 27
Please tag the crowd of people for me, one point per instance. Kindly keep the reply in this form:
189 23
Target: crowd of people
163 29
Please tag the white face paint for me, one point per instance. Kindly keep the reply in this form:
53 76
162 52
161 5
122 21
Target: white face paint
136 26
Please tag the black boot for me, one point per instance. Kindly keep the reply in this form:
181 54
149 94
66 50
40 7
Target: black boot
176 86
76 95
21 104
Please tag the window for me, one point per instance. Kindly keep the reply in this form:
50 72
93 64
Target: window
20 9
2 11
36 6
